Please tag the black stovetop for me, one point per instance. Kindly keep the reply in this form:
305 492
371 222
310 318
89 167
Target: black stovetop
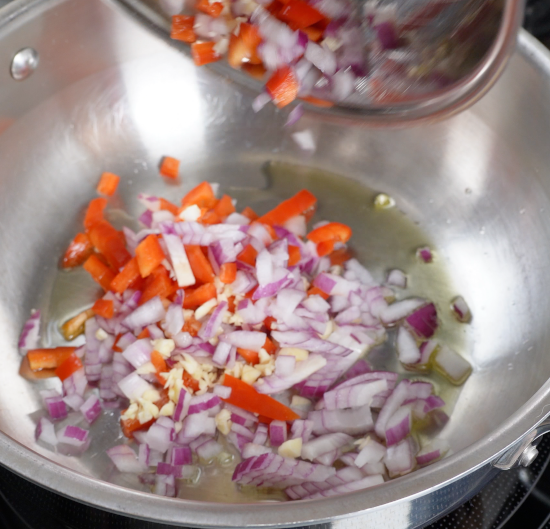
515 499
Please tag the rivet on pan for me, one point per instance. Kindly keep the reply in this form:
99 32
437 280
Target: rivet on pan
528 456
24 63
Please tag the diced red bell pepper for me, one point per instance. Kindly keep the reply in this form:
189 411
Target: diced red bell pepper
128 277
224 207
228 273
193 299
48 358
300 14
200 265
104 308
108 242
325 248
201 195
99 271
182 28
149 255
249 213
108 184
78 251
68 367
252 357
246 397
294 255
302 203
248 255
333 231
170 167
283 86
158 283
213 9
204 53
94 213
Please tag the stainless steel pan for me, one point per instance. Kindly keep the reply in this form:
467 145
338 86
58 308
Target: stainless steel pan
108 94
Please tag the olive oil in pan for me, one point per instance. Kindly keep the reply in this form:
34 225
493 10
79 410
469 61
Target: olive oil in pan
383 239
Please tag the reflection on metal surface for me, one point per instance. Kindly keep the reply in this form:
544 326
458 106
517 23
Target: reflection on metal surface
24 63
109 95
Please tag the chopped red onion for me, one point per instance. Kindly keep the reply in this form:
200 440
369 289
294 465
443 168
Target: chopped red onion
407 350
397 278
399 458
261 101
251 313
76 383
426 351
30 335
179 455
433 451
74 436
210 327
355 395
277 433
304 369
353 421
45 432
294 116
324 444
133 386
209 450
202 403
139 352
301 428
265 469
160 437
284 365
243 431
453 366
251 340
260 436
125 459
91 408
253 450
74 401
244 282
400 310
461 310
398 425
372 452
423 322
173 321
55 405
389 376
425 254
150 312
165 486
222 353
424 406
195 425
394 401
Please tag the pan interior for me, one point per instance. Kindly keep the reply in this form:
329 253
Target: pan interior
473 188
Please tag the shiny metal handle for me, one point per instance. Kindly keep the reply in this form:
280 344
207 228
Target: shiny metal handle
524 452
